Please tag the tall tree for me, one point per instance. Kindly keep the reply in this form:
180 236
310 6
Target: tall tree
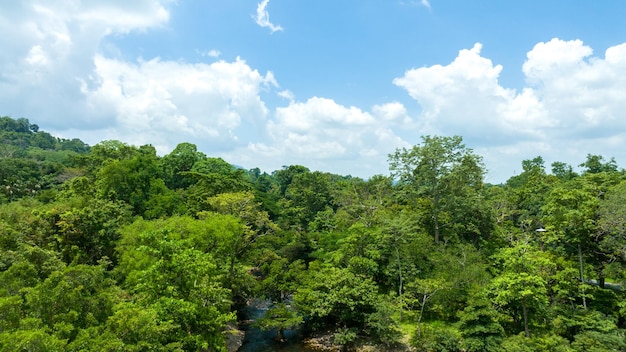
434 172
479 326
596 164
520 289
286 174
133 180
612 227
571 218
307 194
180 160
529 190
563 171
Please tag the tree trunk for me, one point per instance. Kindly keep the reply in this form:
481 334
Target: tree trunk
419 319
525 313
582 276
400 276
231 272
436 217
280 336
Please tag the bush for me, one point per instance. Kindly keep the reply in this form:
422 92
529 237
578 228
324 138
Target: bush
437 337
547 343
345 337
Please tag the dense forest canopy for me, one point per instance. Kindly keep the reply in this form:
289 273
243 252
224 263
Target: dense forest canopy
112 247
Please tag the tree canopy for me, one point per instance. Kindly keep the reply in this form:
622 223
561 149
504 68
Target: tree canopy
113 247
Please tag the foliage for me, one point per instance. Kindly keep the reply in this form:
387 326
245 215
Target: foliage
437 337
115 248
479 326
433 175
333 296
520 288
279 317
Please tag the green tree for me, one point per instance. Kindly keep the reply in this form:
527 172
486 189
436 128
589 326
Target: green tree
403 252
336 297
435 171
212 176
286 174
595 164
221 237
437 337
132 180
612 227
308 194
423 290
563 171
32 335
530 190
279 317
182 159
77 297
244 206
479 326
103 153
140 328
570 218
281 279
464 270
520 286
21 177
182 284
87 231
364 201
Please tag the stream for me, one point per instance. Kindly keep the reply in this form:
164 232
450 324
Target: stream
257 340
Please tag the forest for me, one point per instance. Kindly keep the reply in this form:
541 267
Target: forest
112 247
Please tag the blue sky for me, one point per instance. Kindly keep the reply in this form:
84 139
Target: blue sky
332 85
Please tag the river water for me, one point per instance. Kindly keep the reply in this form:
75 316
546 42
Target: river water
257 340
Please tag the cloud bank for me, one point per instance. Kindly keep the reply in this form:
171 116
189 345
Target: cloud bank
572 104
60 70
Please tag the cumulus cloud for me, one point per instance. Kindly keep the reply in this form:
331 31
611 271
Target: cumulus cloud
465 98
392 112
571 99
49 47
321 130
583 93
262 17
201 102
59 77
60 68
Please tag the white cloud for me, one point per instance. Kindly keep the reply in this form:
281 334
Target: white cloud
214 53
320 131
60 68
287 94
59 77
582 92
393 112
175 101
573 100
263 17
49 48
465 98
